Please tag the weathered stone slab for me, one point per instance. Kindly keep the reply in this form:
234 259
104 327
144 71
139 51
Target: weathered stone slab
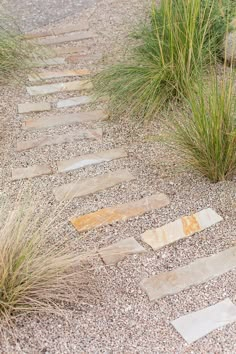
195 273
90 159
198 324
74 101
92 185
46 75
82 25
59 87
78 134
76 36
181 228
31 171
34 107
49 62
120 250
64 119
121 212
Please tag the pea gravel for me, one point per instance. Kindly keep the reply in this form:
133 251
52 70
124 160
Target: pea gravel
118 317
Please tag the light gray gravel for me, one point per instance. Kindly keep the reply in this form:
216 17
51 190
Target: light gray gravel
120 318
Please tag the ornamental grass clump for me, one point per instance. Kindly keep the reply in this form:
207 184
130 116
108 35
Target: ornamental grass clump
182 39
206 137
36 273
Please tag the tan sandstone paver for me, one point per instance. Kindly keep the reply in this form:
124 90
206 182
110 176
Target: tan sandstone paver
181 228
120 250
121 212
198 324
46 75
82 25
31 171
34 107
75 36
92 185
74 101
59 87
197 272
78 134
64 119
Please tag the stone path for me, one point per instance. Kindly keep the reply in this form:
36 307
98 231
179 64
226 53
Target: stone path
192 326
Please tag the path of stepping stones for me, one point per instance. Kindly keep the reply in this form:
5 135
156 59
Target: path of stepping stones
192 326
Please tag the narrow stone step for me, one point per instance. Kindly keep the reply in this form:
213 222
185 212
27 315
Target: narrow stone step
74 101
49 62
195 273
34 107
46 75
70 37
31 171
181 228
196 325
59 87
82 25
121 212
90 159
92 185
115 253
64 119
78 134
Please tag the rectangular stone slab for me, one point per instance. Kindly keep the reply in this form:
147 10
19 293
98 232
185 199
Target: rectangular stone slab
59 87
92 185
121 212
49 62
64 119
78 134
82 25
195 273
198 324
115 253
181 228
31 171
70 37
34 107
73 102
90 159
46 75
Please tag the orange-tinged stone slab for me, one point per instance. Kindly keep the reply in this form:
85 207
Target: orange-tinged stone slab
31 171
69 37
181 228
92 185
115 253
47 75
82 25
64 119
78 134
78 85
120 212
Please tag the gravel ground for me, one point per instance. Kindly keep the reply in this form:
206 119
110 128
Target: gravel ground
120 318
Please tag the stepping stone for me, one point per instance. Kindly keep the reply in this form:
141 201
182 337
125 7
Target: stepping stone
115 253
76 36
83 25
34 107
31 171
198 324
48 140
90 159
64 119
121 212
74 101
49 62
181 228
195 273
59 87
46 75
92 185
